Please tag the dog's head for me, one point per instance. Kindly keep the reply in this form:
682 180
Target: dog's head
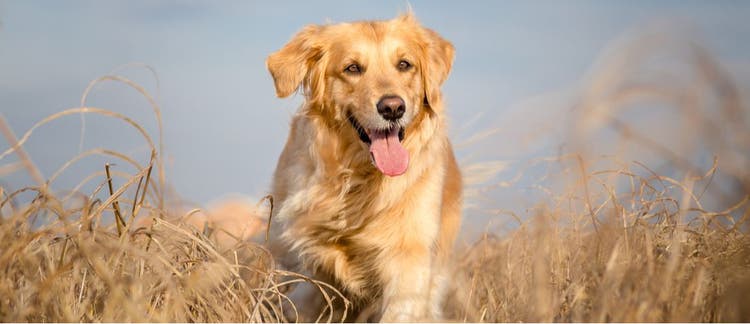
376 76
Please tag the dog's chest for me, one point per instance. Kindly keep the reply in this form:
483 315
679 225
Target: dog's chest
369 223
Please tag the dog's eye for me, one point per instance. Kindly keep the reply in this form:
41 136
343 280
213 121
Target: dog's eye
353 68
404 65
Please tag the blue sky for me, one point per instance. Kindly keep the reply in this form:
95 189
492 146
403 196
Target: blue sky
223 126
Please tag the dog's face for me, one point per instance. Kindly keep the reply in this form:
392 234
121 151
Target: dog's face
377 77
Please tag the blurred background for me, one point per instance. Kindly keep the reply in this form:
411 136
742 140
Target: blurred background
525 73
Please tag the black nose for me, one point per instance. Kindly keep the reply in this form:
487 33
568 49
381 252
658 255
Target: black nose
391 107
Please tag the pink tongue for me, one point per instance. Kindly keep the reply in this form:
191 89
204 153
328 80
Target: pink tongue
390 157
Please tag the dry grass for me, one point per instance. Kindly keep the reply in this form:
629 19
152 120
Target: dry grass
647 260
616 240
613 241
92 261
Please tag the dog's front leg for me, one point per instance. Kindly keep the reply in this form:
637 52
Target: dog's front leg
406 292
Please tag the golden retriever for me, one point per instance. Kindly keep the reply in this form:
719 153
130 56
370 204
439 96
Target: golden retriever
367 187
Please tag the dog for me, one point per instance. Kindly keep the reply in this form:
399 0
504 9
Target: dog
367 188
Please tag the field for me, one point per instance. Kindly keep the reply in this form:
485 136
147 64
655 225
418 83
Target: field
613 238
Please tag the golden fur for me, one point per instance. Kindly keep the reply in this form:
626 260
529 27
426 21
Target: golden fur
383 241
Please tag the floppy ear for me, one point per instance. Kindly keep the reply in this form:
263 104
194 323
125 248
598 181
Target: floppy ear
290 65
439 59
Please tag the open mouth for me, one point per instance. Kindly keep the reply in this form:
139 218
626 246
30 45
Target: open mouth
363 134
386 151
